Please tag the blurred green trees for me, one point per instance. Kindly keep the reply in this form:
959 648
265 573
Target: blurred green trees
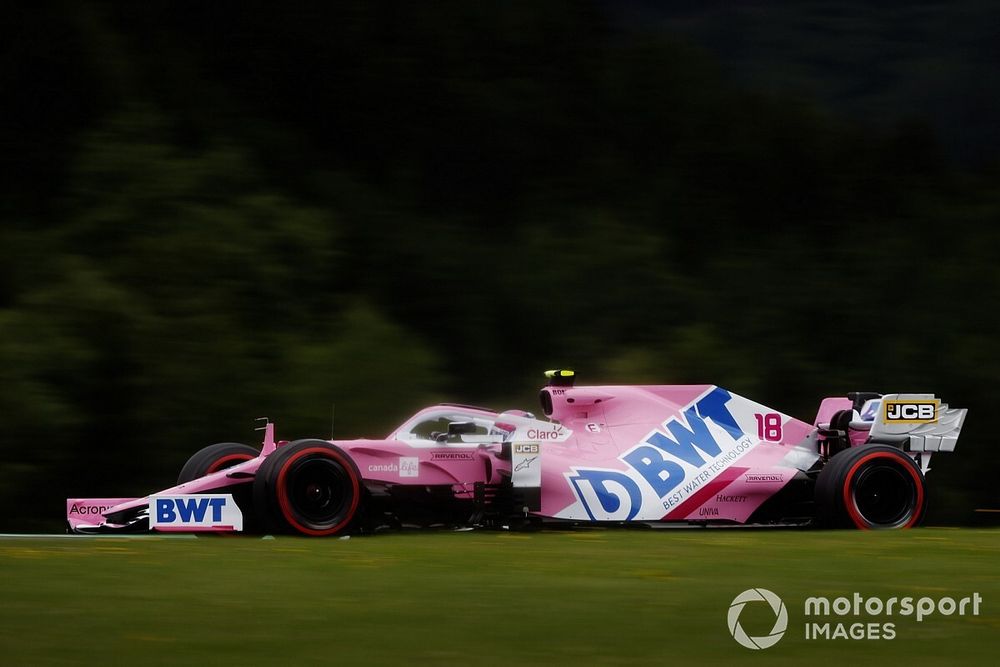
377 207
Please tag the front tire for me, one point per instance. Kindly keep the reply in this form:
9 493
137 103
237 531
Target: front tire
215 458
871 487
310 487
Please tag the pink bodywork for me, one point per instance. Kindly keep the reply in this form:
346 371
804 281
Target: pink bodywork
82 512
832 405
598 429
628 416
829 407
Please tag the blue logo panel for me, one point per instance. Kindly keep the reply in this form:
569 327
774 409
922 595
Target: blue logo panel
658 460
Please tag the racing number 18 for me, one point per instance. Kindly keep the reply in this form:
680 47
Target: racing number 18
769 426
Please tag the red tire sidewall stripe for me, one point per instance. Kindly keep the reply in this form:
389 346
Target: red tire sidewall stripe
281 487
852 509
220 463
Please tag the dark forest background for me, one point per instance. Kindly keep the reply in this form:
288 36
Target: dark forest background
211 212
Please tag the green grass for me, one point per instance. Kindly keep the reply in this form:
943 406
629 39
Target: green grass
589 597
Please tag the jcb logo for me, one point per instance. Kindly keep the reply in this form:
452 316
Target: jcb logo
526 448
911 412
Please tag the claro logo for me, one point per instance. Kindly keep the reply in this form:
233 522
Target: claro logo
543 434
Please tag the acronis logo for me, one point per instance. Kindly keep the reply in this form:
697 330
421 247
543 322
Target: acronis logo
659 465
194 511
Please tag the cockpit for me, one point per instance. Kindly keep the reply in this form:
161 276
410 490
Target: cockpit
458 426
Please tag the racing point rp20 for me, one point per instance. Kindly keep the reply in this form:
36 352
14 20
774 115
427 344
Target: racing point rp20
649 454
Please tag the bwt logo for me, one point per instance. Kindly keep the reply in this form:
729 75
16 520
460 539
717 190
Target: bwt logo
658 461
188 510
182 512
911 412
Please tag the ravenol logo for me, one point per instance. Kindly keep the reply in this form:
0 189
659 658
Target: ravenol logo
780 618
659 460
187 511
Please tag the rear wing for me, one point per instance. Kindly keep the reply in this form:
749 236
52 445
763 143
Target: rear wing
918 422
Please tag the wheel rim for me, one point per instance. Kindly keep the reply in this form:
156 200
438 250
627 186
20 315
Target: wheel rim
317 493
884 494
317 490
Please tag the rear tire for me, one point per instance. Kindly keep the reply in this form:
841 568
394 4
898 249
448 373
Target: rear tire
871 487
309 487
215 458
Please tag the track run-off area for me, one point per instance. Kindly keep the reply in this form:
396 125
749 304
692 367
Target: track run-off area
596 596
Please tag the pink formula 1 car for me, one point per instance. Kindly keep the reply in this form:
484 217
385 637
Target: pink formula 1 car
684 454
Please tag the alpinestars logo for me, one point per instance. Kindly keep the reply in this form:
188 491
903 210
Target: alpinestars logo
780 618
